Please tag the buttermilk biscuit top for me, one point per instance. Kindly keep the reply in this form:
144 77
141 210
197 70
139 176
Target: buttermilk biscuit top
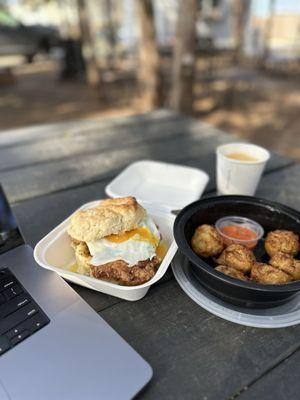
111 216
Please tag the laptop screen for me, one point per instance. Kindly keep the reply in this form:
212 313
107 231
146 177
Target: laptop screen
10 236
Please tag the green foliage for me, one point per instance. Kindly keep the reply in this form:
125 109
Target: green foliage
6 19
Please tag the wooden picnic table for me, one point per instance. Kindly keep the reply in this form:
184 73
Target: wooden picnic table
48 171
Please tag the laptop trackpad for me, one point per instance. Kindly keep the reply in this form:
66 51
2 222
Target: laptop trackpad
77 356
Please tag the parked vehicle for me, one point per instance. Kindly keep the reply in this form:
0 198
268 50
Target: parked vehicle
28 40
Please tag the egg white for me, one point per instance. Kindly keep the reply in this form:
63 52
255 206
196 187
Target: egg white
131 251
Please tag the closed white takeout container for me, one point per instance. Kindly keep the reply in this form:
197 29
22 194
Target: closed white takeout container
170 186
54 251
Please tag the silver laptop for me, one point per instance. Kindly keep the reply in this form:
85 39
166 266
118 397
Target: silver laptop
52 344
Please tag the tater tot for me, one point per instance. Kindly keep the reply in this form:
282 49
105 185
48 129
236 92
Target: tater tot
206 241
238 257
232 272
269 275
282 241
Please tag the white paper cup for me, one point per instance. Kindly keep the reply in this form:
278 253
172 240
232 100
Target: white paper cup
240 177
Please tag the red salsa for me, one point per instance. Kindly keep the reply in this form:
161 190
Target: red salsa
240 233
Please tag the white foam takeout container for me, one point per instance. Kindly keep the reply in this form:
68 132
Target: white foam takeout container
159 188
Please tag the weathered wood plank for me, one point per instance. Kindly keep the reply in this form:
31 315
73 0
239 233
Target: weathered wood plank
194 354
31 134
34 181
40 215
37 180
281 383
282 186
39 132
67 143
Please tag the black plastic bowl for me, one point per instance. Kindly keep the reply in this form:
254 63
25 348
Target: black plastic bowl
269 214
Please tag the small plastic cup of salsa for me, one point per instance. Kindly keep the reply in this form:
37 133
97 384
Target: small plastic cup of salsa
241 230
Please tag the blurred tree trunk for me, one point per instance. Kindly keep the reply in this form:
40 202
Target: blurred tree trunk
240 12
92 70
182 96
111 33
150 74
268 32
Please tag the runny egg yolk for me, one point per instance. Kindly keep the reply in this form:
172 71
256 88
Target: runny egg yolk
73 268
161 251
143 233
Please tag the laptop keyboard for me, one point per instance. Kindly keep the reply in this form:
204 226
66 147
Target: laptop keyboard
20 316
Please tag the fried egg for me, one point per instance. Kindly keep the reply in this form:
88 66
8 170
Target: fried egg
133 246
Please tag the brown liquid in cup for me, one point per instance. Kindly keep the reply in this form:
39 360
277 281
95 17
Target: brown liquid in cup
241 156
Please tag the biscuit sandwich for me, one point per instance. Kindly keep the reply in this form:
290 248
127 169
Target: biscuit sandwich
116 241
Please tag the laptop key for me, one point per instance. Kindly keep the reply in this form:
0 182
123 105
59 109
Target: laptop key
13 305
20 316
7 282
21 336
32 324
12 291
37 322
15 331
9 322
